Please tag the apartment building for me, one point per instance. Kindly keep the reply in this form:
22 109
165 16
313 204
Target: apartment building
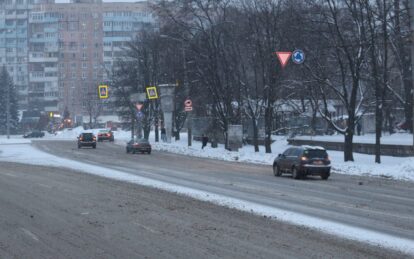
58 53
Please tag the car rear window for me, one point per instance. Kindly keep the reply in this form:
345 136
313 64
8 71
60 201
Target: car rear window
143 141
315 153
87 136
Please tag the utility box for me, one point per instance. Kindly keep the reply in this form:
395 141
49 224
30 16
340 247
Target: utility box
235 137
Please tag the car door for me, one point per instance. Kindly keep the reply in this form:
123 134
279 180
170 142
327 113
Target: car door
291 158
283 161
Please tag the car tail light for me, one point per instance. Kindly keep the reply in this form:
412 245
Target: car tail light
136 145
108 135
303 158
80 138
94 138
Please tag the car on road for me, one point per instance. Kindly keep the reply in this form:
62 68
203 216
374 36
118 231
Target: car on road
105 135
140 145
87 139
34 134
302 161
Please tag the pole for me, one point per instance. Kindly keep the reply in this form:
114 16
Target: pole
8 109
412 56
187 89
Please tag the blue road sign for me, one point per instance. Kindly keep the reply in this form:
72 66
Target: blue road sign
298 56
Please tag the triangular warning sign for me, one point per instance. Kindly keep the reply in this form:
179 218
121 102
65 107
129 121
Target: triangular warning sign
283 57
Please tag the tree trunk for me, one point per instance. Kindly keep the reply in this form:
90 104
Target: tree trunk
378 129
348 146
132 126
255 135
157 136
268 129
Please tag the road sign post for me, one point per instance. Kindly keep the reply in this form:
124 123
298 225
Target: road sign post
188 107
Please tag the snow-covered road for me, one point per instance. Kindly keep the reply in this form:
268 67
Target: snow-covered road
250 192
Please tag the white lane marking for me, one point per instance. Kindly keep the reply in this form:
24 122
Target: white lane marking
147 228
30 234
85 213
11 175
327 226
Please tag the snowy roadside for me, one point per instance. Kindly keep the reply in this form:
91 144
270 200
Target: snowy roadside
399 168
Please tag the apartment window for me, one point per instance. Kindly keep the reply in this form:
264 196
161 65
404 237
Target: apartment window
84 46
73 65
83 75
84 55
73 74
107 54
73 55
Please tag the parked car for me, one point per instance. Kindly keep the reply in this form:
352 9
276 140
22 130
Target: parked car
105 135
140 145
34 134
86 139
303 161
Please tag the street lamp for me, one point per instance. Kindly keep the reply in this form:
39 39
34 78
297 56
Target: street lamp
186 85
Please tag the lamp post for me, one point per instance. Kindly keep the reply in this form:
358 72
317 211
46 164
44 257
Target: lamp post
186 85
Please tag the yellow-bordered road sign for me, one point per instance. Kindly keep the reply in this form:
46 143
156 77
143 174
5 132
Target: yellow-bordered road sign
152 92
103 91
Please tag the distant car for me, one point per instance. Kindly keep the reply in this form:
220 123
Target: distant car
140 145
34 134
86 139
105 135
303 161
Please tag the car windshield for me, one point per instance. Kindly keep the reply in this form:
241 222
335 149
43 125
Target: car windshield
315 153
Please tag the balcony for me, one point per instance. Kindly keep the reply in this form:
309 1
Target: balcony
39 57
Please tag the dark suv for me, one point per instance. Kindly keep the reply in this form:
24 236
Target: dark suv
302 161
86 140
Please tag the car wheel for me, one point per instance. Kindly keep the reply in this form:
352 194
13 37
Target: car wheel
325 176
295 173
94 146
127 151
79 146
149 152
277 171
133 152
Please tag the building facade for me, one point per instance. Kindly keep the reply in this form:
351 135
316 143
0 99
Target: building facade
58 53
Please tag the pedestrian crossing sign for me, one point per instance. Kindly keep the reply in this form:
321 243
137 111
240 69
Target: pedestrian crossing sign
152 92
103 91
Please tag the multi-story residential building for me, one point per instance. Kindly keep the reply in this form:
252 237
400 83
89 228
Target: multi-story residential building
13 43
121 24
72 48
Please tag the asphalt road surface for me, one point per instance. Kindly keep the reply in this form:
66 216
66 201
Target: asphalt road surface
52 213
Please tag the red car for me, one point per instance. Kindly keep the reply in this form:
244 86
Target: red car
105 135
